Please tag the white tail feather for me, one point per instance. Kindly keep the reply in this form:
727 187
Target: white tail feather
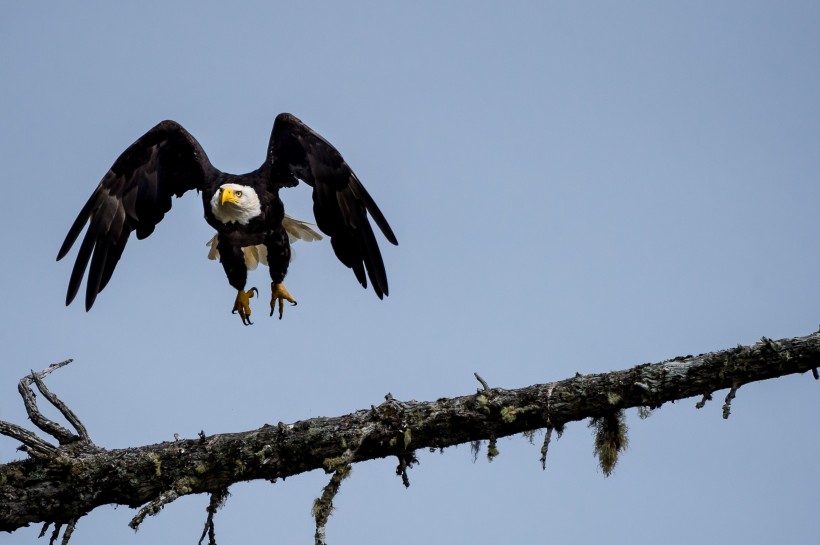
299 230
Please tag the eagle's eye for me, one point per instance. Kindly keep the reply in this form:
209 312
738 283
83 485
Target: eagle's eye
238 193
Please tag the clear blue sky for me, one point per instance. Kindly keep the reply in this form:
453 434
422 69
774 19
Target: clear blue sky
575 187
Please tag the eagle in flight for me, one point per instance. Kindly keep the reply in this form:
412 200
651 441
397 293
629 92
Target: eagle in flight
246 211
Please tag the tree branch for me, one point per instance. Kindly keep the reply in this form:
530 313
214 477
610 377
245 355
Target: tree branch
63 484
32 444
30 401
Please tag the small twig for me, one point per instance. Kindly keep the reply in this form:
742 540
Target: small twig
217 501
815 374
153 507
545 447
482 381
62 407
34 414
341 467
401 470
323 506
53 367
727 406
55 534
548 435
68 531
706 397
35 446
52 428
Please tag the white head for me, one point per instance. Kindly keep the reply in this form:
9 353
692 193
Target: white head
235 203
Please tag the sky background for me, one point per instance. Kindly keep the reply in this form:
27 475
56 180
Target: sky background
575 186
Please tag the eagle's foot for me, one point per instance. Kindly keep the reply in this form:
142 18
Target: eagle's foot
279 293
242 305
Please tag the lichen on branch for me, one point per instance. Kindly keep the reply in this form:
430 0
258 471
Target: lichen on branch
60 483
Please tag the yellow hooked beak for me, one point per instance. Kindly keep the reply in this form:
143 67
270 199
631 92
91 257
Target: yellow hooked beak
229 195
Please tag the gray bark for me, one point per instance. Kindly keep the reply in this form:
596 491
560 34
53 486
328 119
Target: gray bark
61 483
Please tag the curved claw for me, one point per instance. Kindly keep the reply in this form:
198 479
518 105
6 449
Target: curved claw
242 304
280 293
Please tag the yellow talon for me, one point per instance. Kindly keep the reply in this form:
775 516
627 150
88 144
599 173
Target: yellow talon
279 293
242 305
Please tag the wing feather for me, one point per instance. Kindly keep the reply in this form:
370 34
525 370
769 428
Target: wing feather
341 204
134 195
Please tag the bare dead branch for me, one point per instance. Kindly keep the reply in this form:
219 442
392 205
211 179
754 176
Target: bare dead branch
545 447
153 507
73 481
55 534
62 407
50 427
33 445
323 505
482 381
216 503
702 403
727 405
69 531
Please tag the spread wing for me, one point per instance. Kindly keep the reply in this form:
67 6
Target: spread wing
134 195
340 202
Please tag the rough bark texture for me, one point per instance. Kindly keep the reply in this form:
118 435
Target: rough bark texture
61 484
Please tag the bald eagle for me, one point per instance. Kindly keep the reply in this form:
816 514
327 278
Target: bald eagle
245 210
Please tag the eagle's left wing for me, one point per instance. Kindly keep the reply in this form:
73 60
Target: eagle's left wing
340 202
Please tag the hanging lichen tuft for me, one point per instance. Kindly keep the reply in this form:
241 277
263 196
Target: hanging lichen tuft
610 439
